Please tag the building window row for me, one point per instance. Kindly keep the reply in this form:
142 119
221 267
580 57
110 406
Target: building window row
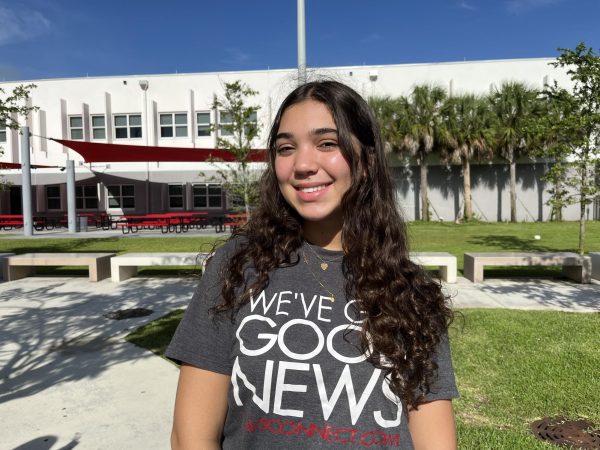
129 126
122 196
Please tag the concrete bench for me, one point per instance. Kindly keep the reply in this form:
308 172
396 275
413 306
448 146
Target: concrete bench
595 265
126 266
4 265
574 266
445 261
21 266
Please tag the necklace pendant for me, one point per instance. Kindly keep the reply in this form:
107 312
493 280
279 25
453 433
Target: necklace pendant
324 265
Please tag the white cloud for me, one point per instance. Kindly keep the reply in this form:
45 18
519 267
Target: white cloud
19 26
521 6
236 56
374 37
464 5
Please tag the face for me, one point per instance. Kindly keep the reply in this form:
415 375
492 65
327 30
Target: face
310 168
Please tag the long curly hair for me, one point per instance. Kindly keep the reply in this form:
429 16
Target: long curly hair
405 311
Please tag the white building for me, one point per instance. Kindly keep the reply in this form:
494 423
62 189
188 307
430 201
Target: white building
176 111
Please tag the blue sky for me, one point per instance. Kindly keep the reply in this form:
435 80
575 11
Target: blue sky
73 38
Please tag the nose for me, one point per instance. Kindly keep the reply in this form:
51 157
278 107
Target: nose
306 161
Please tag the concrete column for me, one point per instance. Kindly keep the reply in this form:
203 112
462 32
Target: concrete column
71 211
26 183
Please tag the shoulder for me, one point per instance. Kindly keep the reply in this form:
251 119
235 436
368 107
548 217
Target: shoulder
223 252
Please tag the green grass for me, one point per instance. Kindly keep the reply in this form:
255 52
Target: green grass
433 236
110 244
156 335
512 367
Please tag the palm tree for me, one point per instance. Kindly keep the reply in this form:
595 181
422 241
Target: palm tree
411 125
466 135
514 106
391 116
423 109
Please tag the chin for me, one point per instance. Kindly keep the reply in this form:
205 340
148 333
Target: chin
320 216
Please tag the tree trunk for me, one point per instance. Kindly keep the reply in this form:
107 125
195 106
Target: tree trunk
557 208
246 181
467 189
424 198
513 189
582 198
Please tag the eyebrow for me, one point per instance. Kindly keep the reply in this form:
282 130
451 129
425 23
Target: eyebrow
315 132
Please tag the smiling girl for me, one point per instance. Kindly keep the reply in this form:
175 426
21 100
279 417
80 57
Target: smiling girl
311 328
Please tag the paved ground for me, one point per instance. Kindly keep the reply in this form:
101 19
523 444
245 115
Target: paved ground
68 380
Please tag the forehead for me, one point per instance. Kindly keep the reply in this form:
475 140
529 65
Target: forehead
306 115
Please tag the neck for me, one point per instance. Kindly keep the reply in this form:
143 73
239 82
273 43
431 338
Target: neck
326 236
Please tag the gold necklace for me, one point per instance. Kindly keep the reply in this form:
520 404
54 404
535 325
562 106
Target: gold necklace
324 262
315 277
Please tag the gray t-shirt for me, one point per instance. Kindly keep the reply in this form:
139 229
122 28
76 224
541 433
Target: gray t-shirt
298 379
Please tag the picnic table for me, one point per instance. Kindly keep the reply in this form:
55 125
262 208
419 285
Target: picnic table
177 222
234 221
13 221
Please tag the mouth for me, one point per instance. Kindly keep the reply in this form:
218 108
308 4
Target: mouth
311 189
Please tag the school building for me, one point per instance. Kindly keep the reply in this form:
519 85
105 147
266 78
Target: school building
176 110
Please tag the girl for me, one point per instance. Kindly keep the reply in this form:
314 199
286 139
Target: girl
311 328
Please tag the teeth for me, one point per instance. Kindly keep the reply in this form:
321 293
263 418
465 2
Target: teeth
314 188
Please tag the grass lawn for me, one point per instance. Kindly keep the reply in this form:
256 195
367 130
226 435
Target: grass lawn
433 236
512 367
111 245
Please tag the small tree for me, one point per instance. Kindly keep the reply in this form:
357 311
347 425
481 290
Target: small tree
577 128
15 104
238 129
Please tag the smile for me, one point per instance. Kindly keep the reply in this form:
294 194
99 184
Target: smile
313 188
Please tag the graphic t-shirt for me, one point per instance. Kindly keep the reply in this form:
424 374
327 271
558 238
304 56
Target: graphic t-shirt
298 377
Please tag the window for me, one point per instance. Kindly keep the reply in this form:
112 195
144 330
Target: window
98 127
208 196
52 197
2 132
225 119
252 120
86 197
203 123
173 125
128 126
175 196
121 196
76 127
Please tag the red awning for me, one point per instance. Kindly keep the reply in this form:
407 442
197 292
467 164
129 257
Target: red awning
8 165
97 152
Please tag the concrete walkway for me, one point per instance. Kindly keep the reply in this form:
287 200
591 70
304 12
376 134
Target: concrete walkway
68 379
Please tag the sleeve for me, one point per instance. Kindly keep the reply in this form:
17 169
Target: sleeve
202 339
443 386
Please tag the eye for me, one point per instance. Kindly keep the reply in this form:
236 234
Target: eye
284 149
328 145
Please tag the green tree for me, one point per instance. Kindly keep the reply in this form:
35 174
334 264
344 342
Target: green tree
238 128
423 112
514 107
576 150
466 136
12 106
411 126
